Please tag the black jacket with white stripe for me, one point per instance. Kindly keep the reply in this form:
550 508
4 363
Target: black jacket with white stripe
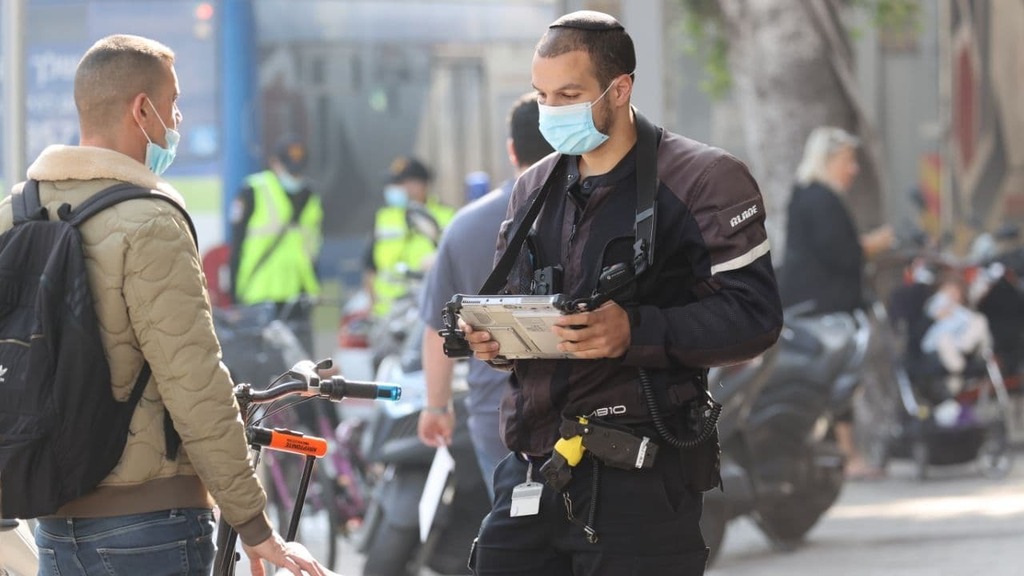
709 298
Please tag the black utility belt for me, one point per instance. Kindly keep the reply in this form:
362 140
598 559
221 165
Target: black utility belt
612 445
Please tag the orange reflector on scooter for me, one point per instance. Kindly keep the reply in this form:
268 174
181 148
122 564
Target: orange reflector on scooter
288 441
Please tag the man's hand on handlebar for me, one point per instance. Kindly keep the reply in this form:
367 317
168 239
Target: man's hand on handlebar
480 341
289 555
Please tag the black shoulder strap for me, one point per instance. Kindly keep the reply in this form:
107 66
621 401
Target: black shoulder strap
297 209
94 205
120 193
172 440
26 203
644 225
270 249
140 385
499 275
646 193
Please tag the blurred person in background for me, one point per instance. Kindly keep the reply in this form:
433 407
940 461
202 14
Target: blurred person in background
955 335
463 261
825 254
395 249
276 236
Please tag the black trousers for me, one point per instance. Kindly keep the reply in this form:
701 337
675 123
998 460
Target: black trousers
647 524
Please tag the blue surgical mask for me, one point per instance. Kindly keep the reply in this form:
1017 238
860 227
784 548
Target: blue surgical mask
396 196
291 184
158 159
570 129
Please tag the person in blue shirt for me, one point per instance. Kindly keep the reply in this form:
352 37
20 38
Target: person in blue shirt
464 259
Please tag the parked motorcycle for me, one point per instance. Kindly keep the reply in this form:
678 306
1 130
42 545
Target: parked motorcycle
780 464
390 536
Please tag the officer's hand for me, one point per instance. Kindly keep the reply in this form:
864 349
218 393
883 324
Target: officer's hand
480 341
601 333
435 429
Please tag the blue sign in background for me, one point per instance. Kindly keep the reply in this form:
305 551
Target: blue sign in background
58 32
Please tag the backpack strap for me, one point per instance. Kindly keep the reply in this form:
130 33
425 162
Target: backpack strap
94 205
172 440
115 195
26 204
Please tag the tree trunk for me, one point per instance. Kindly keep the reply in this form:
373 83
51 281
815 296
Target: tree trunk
790 66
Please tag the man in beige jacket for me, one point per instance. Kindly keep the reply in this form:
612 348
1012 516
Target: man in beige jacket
153 514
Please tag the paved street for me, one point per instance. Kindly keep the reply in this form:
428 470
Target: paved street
957 523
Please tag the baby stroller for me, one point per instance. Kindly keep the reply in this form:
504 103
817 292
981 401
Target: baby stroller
977 428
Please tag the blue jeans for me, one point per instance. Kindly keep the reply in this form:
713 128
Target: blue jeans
165 543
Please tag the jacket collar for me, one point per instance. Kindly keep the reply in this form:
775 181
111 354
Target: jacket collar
90 163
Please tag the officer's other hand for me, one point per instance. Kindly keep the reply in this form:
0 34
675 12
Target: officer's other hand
601 333
484 347
435 428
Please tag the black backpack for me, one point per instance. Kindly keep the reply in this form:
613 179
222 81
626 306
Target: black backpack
61 430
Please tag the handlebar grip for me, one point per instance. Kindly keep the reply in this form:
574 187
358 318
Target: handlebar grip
338 389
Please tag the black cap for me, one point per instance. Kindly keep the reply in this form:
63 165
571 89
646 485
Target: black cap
587 20
291 152
407 168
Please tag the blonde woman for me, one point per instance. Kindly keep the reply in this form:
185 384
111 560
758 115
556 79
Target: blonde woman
825 254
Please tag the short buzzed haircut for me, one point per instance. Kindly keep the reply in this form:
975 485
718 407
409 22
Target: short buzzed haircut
112 72
524 130
607 43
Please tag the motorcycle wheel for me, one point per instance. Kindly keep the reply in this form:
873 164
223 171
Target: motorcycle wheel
391 549
712 526
786 523
787 520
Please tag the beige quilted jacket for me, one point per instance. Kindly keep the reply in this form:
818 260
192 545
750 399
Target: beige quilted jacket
151 300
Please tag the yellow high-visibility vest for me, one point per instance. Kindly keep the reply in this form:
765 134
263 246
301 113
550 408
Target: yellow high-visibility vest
289 271
396 247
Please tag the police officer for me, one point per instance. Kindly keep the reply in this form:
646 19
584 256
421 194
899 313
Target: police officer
276 236
639 360
395 247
